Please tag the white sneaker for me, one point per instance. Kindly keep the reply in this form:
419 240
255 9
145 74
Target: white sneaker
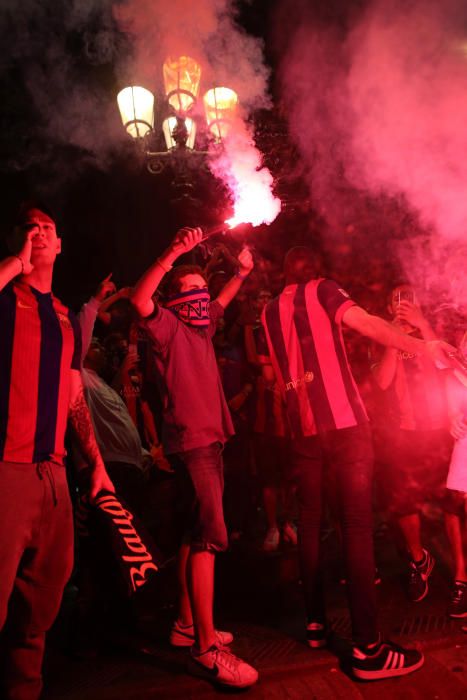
181 636
272 539
221 666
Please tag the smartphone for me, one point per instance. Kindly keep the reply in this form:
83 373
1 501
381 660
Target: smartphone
405 295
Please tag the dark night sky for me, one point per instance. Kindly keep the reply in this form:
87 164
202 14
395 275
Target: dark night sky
112 218
113 215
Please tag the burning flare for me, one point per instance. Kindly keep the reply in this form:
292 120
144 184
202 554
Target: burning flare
239 165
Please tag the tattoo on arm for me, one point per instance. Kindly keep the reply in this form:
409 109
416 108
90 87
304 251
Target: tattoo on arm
80 420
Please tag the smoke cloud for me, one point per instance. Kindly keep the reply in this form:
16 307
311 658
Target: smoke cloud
71 57
207 31
379 102
239 165
54 58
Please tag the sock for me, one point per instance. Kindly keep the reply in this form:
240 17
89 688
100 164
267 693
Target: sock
198 652
184 627
370 649
315 626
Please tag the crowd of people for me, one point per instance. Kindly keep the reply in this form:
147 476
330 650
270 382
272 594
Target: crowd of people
242 384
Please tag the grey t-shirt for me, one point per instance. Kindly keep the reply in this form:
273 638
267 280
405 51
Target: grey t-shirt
116 434
195 410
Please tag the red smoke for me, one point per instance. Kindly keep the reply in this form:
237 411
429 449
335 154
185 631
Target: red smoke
207 31
382 104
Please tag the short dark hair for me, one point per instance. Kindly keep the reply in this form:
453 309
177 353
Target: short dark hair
14 235
300 264
172 283
28 205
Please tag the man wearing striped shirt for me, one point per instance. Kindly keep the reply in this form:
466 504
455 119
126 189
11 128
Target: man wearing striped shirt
328 423
40 391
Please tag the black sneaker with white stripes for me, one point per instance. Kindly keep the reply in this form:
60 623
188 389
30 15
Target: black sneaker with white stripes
387 660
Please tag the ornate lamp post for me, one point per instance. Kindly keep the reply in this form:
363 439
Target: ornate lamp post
189 139
182 77
177 117
220 106
136 105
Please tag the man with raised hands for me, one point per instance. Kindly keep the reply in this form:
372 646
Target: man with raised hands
40 391
196 424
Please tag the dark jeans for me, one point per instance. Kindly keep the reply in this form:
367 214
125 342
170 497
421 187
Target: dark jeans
200 479
349 453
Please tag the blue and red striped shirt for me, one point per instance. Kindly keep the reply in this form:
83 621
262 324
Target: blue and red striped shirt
40 342
304 335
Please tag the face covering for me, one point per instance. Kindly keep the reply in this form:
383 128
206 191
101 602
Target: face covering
191 307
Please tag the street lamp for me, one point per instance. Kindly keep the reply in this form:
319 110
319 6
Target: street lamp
177 131
182 77
179 120
220 106
136 106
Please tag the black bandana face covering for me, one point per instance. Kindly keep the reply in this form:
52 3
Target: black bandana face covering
191 307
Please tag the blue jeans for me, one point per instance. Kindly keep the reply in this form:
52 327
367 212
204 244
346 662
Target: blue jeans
349 453
200 478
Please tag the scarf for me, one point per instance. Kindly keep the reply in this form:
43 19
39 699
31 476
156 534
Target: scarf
119 530
191 307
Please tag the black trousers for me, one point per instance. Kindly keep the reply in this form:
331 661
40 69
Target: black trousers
349 453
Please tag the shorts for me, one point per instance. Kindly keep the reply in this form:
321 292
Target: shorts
200 480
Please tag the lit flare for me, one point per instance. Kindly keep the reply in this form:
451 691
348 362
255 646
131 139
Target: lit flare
239 165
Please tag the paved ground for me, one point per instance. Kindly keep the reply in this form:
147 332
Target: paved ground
259 600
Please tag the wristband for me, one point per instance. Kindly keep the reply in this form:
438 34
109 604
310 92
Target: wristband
165 267
22 263
239 275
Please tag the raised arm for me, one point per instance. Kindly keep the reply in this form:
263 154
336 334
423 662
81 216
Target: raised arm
104 314
89 311
383 332
408 318
141 297
384 371
229 291
413 315
19 263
